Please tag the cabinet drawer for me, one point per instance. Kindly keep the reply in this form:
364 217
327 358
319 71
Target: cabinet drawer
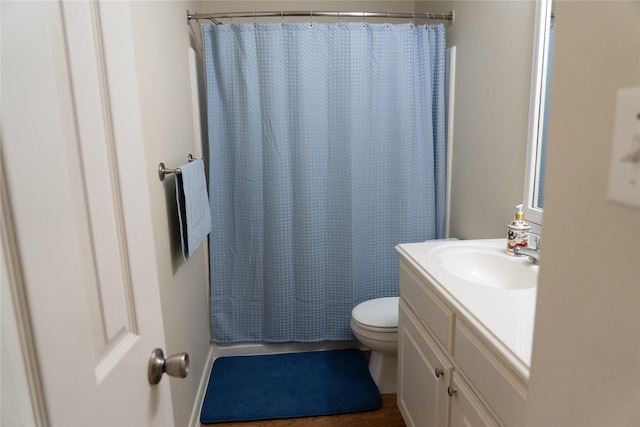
429 308
502 389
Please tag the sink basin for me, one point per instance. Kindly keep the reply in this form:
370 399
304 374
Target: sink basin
482 263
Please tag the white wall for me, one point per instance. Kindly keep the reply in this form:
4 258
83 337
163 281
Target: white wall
162 38
494 42
276 5
586 354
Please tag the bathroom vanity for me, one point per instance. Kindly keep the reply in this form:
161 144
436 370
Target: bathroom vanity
465 333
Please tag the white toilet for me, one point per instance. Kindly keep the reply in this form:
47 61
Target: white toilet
375 325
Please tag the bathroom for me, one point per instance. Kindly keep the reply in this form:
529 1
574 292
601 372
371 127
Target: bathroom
586 347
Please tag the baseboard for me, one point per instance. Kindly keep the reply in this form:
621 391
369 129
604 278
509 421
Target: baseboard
194 420
246 349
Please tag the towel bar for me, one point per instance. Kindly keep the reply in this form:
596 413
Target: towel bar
164 171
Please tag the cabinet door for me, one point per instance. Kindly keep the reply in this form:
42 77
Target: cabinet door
466 409
424 373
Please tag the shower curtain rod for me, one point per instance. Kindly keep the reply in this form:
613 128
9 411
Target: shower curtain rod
312 13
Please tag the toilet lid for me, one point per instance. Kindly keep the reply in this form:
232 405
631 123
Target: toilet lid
379 312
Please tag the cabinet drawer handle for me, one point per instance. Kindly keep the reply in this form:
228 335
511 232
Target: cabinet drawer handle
452 390
439 372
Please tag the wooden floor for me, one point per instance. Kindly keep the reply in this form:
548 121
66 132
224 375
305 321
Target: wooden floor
387 416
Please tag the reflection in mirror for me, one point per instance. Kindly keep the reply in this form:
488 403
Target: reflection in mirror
541 155
539 111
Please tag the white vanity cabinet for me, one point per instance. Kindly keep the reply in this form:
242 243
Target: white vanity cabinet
448 373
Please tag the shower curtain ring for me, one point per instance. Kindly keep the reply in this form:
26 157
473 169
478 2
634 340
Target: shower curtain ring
387 24
254 19
282 18
231 20
364 25
310 18
339 24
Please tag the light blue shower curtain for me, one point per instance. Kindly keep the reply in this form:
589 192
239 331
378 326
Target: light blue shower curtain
327 149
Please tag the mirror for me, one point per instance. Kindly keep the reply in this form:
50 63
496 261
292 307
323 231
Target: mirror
539 109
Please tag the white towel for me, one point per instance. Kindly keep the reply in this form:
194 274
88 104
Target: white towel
193 206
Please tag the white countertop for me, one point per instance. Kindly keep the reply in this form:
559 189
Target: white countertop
505 317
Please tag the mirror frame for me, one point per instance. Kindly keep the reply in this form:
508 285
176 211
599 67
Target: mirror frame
536 116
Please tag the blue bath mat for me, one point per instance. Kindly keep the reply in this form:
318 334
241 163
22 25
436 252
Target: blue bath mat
244 388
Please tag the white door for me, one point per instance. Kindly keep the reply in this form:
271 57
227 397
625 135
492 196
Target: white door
73 160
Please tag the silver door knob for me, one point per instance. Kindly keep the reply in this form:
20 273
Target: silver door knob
176 365
452 390
439 372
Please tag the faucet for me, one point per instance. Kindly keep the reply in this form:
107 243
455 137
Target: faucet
534 254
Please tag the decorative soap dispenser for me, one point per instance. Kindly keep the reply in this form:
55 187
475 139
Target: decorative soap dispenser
518 231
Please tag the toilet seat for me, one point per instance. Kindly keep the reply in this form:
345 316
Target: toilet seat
369 335
377 315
